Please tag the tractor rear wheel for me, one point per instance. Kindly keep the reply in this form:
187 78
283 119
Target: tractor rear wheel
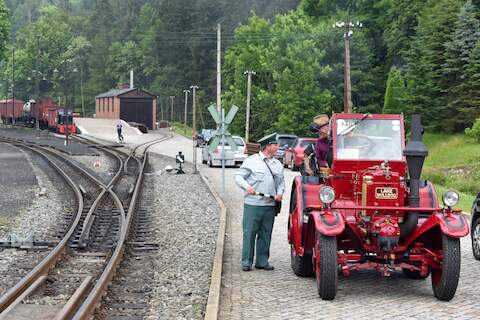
445 278
476 238
326 266
301 266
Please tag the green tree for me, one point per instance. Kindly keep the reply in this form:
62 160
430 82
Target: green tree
425 61
394 102
458 48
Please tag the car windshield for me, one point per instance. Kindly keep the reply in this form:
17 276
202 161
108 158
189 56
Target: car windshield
239 142
368 139
288 141
306 143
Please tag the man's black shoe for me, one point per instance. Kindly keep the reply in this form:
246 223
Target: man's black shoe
246 268
267 267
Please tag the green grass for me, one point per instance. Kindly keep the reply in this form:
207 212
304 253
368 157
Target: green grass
451 151
453 162
466 200
179 128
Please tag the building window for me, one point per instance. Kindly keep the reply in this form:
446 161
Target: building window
113 105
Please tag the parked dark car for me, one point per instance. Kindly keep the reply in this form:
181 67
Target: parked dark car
204 136
285 141
475 232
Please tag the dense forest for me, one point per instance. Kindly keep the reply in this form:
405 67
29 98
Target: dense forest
410 56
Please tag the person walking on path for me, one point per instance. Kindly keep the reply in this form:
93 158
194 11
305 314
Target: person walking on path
119 131
261 176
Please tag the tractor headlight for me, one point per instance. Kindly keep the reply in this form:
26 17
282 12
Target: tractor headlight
450 198
327 195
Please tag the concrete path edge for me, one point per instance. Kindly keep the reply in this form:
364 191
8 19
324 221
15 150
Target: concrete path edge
213 302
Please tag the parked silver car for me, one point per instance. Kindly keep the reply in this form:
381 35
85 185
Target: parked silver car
232 158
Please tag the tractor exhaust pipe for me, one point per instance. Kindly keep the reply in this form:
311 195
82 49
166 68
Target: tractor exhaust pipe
415 152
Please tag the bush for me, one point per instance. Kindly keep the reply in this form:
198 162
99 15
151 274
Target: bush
474 131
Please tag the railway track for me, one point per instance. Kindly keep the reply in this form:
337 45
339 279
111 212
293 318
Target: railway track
75 274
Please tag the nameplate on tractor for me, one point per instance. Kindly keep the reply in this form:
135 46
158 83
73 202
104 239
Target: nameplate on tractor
386 193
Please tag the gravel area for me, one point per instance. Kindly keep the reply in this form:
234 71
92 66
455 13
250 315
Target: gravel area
38 215
186 220
41 207
100 164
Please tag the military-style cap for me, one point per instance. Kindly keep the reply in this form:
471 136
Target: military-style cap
270 139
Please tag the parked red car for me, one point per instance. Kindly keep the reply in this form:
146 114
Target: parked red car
293 156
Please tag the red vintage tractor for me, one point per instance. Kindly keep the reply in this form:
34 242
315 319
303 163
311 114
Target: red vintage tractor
367 212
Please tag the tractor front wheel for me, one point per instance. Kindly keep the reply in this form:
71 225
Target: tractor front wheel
445 278
325 260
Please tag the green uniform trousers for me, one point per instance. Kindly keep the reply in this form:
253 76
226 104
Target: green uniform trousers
257 226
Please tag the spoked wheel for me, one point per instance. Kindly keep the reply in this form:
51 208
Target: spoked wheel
326 266
445 278
476 238
301 266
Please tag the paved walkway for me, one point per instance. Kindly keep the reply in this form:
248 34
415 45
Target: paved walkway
279 294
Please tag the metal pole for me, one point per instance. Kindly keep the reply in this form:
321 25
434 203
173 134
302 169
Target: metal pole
171 110
37 72
247 115
186 103
13 84
223 152
194 128
81 90
219 79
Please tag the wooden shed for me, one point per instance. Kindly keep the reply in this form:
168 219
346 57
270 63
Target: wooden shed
129 104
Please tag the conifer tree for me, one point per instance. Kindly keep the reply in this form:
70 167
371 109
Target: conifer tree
471 99
395 93
458 54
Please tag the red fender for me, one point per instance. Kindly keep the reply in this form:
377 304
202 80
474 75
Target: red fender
328 222
453 225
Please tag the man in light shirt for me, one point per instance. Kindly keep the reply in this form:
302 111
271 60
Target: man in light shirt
261 177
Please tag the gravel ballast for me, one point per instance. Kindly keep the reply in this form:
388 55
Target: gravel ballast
186 218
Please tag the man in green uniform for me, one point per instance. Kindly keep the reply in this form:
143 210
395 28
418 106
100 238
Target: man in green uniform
261 176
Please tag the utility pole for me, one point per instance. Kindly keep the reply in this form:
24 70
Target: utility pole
247 116
347 85
186 104
81 90
194 128
171 110
13 84
37 73
219 67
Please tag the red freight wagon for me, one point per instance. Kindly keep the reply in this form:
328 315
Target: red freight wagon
9 109
41 109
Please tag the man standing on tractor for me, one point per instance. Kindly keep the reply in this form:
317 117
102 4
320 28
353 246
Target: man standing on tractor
261 176
321 155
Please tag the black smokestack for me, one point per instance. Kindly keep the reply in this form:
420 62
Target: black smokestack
415 152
